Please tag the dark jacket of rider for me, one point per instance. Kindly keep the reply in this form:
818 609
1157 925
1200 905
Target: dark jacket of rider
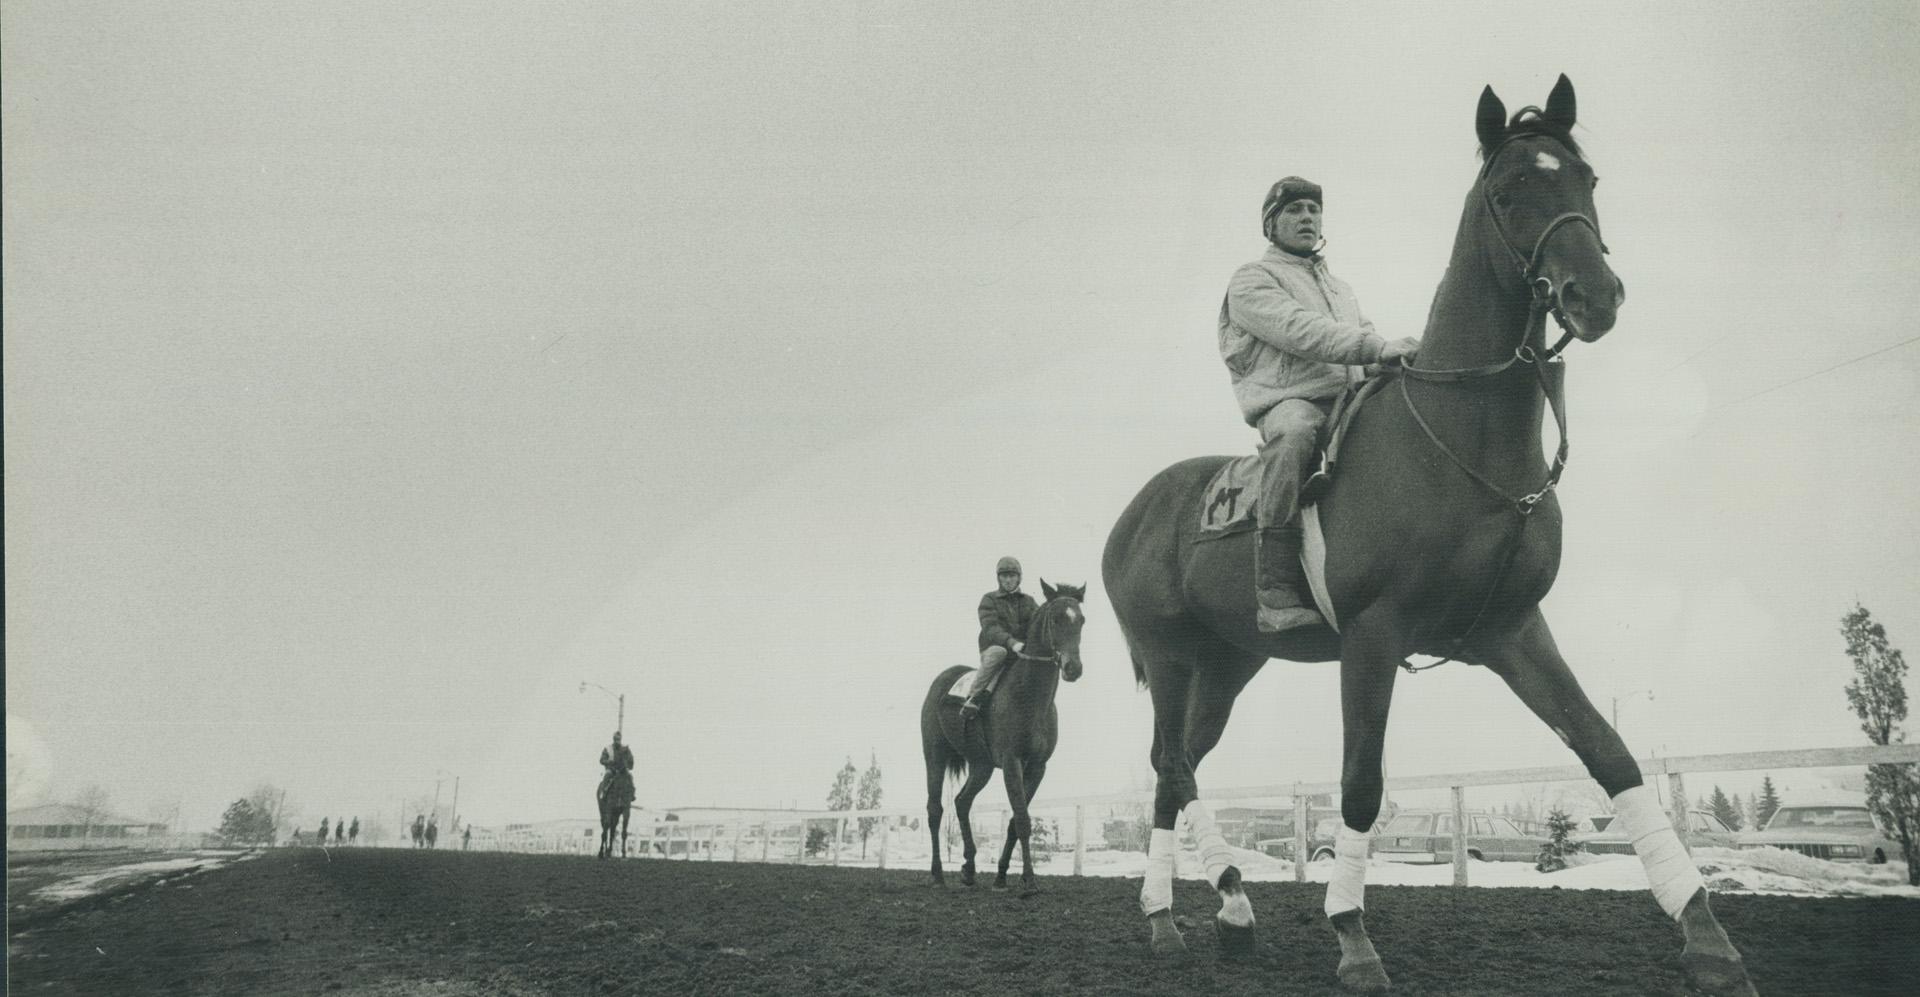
616 758
1004 617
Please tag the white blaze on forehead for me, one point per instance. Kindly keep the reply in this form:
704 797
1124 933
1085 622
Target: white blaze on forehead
1547 161
1071 615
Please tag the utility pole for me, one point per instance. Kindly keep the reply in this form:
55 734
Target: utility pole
620 723
456 806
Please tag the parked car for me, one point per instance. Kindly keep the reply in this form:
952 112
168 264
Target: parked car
1319 839
1703 828
1837 833
1427 836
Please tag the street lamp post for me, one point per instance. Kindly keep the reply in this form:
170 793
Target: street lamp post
620 723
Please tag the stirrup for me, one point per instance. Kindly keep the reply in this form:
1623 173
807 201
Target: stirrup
1273 621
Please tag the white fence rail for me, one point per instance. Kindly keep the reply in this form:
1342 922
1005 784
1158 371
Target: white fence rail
773 835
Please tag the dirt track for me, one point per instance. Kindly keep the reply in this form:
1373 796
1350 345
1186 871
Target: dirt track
389 922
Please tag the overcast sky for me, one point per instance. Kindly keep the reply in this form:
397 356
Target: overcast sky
377 373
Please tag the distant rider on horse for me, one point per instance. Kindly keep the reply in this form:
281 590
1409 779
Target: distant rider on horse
617 760
1004 615
1292 336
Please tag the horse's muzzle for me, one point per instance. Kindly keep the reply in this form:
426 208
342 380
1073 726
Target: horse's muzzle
1591 315
1070 669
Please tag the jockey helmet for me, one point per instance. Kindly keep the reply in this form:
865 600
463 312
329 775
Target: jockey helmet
1007 564
1286 191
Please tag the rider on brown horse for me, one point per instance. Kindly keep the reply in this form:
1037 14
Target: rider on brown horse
1292 336
1005 614
617 759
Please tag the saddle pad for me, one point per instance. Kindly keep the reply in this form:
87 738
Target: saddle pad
964 685
1229 509
1313 560
1230 496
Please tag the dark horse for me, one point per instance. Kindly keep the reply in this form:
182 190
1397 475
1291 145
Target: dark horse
1442 535
1015 733
615 799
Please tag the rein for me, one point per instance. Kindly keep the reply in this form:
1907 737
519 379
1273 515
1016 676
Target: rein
1545 300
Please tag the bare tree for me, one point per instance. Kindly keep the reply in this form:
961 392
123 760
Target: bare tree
270 802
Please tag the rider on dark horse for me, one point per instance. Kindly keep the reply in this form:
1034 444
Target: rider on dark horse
1004 613
617 760
1293 337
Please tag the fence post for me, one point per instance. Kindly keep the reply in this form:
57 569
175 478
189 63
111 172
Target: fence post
1459 836
1299 836
1079 837
766 838
886 831
839 831
1677 800
671 827
800 853
739 828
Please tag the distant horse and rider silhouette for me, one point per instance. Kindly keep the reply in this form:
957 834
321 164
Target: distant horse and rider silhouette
614 796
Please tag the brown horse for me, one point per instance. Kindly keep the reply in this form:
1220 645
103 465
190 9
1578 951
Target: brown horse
614 798
1015 733
1442 535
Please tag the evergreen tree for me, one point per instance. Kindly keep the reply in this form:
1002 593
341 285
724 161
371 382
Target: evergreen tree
1739 814
1721 807
1553 854
869 799
840 797
243 824
1766 803
1878 695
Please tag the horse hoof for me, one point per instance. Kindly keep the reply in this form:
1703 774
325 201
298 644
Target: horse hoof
1236 940
966 879
1167 943
1000 883
937 880
1365 976
1717 975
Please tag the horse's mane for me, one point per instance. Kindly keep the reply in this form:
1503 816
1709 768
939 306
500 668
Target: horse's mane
1530 120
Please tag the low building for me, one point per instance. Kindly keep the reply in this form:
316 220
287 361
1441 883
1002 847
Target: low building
52 826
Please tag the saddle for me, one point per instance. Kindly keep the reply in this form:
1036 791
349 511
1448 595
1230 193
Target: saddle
963 686
1233 492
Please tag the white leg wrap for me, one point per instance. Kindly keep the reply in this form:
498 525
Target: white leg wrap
1670 870
1348 888
1213 848
1156 893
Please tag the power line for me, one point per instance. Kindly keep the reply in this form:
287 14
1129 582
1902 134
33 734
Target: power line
1807 377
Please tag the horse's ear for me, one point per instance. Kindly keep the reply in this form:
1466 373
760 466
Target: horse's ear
1490 121
1048 590
1559 111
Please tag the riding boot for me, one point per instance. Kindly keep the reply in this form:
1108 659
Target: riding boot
976 700
1277 581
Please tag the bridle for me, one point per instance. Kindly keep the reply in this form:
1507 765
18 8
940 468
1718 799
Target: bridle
1544 301
1044 637
1546 297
